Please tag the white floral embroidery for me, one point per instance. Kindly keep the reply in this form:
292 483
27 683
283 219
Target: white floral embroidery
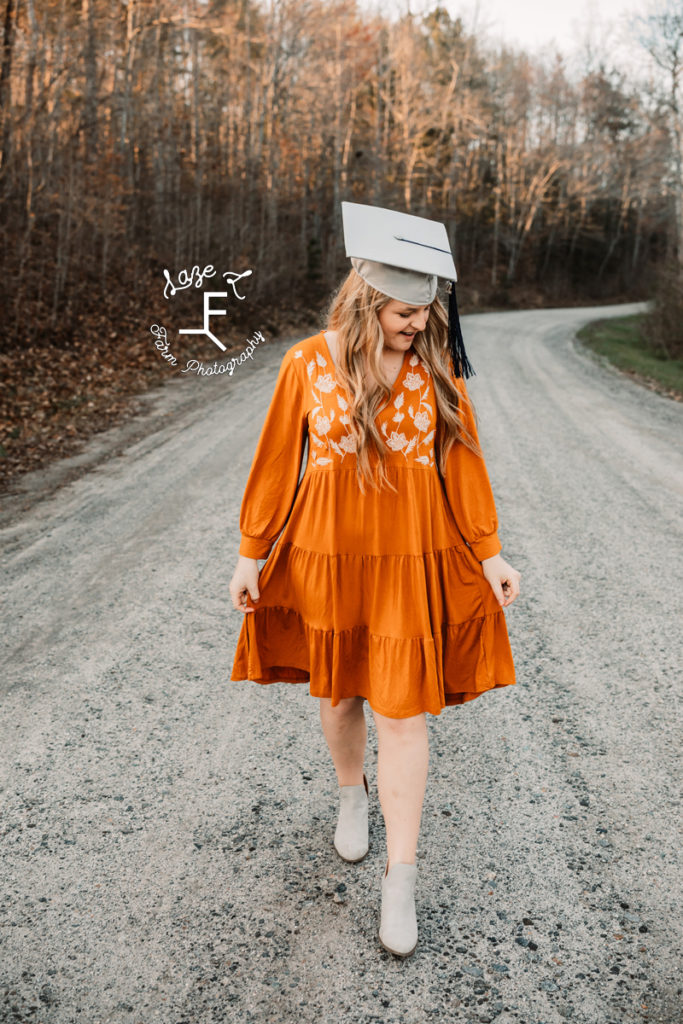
347 442
397 442
415 359
422 417
326 450
413 381
325 383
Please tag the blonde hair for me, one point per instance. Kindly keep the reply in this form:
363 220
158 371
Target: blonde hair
353 312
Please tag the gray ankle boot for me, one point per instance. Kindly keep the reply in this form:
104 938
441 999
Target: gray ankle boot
398 928
351 836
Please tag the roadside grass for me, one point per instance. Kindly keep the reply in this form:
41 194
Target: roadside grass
620 341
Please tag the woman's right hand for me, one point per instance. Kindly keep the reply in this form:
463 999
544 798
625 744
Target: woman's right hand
244 579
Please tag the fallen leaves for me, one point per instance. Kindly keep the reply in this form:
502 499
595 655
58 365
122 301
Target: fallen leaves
59 391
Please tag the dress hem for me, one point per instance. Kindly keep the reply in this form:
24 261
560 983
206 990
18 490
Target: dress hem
452 699
337 667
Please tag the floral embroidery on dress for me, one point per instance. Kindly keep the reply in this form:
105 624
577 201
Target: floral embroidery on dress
322 419
330 444
422 417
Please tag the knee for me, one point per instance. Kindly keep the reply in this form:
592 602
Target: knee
349 709
401 730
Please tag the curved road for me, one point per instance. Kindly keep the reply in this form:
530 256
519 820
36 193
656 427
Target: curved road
167 835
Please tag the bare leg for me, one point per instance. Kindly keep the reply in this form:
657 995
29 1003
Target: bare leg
402 766
346 734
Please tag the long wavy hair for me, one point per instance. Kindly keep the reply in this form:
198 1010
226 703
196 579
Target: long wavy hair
353 313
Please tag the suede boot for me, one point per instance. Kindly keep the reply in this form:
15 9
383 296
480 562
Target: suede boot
351 836
398 928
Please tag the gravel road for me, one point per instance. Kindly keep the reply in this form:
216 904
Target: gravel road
167 847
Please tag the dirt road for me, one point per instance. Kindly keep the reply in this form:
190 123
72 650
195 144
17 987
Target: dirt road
167 835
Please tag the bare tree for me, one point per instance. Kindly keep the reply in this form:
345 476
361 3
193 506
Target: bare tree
661 33
228 131
5 74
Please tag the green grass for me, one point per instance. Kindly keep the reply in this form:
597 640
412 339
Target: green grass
620 341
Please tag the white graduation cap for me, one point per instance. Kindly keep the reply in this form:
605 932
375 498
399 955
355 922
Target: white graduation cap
403 256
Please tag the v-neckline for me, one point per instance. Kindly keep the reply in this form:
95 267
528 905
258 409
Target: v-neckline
399 375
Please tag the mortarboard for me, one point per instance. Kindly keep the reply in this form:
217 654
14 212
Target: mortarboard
403 256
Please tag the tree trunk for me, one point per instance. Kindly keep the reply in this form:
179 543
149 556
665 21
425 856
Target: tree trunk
5 94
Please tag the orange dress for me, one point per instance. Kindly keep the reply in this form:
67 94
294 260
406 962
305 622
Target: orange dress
378 595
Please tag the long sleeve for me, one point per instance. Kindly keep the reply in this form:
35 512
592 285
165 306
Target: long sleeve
468 489
273 479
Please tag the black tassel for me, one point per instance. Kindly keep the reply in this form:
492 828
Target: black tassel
461 363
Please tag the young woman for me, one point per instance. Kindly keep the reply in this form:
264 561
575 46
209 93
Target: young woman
386 583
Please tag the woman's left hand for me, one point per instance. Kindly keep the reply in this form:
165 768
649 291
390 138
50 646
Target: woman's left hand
503 578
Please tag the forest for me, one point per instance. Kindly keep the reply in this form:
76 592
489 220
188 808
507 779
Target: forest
145 136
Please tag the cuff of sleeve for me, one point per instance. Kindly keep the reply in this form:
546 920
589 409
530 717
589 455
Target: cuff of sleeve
252 547
486 547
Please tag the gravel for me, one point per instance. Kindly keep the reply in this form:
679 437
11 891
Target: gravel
167 834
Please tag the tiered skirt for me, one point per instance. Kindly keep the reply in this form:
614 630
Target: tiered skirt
375 596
